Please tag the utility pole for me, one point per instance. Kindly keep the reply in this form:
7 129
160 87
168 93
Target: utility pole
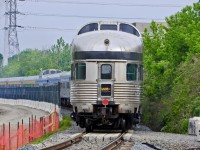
11 46
5 54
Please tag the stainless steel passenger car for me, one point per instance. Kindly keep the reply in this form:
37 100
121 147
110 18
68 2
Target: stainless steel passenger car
65 89
106 75
46 78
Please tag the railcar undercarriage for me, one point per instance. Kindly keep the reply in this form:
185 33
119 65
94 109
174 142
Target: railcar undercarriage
105 118
65 102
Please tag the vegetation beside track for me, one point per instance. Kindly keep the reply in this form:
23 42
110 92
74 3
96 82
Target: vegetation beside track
31 61
171 63
64 124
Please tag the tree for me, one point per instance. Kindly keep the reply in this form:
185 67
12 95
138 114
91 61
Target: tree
164 52
32 61
60 55
185 99
1 62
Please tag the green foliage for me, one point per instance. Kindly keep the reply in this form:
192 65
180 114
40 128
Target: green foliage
1 57
60 55
65 123
185 98
171 85
32 61
46 136
1 61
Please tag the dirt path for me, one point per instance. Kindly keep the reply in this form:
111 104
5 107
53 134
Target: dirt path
14 114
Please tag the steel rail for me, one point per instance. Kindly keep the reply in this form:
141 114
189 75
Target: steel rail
65 144
115 143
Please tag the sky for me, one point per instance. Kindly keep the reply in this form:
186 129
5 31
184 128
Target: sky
45 21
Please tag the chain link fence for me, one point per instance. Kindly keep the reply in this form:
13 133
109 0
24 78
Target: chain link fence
50 94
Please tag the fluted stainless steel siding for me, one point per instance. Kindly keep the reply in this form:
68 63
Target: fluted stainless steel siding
127 92
84 92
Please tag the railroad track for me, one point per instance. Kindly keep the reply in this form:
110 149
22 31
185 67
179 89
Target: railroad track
123 141
67 143
113 144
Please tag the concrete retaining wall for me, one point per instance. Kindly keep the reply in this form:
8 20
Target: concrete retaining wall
49 107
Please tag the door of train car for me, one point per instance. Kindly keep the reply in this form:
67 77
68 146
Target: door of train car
106 82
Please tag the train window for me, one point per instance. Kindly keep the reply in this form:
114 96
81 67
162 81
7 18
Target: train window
129 29
141 72
88 28
46 72
72 72
53 71
131 72
108 27
106 71
80 71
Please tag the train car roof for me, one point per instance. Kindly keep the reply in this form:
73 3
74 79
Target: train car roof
53 73
50 71
25 78
66 73
110 25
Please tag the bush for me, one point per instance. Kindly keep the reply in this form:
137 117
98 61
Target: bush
64 124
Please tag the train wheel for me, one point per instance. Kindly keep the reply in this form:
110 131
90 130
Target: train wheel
129 125
88 125
82 122
117 124
123 124
129 122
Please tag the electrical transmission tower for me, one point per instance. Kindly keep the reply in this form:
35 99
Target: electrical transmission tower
11 45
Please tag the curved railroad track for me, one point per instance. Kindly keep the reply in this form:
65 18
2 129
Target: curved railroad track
78 138
67 143
114 144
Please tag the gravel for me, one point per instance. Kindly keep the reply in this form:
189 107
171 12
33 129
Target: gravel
141 127
85 145
142 147
141 137
167 141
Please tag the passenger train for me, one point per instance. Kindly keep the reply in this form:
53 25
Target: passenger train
104 86
46 78
106 75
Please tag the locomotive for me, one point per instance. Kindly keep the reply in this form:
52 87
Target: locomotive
106 75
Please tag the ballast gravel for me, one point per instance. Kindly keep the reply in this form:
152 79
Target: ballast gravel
141 137
166 141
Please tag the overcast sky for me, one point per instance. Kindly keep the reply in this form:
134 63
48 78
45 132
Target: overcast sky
63 18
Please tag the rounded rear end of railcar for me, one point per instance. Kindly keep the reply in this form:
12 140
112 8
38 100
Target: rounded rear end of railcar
106 75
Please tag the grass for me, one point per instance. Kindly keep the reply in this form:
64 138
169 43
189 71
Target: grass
64 124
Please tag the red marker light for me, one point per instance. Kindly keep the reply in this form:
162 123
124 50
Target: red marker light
105 102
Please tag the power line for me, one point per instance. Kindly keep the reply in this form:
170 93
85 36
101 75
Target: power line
105 3
45 28
94 17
